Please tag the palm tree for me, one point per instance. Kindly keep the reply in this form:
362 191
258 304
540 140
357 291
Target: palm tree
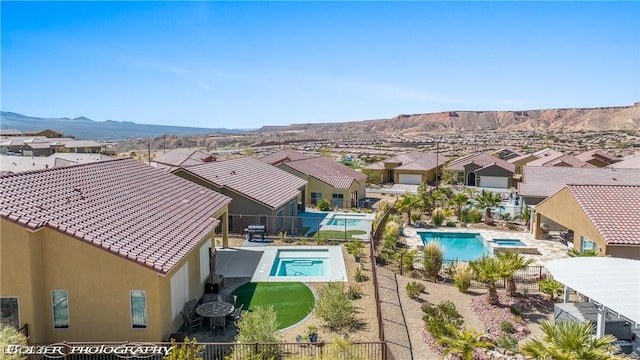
463 342
570 340
407 204
459 200
513 262
525 214
406 258
489 200
489 269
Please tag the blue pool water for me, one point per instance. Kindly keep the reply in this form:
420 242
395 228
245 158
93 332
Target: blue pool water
457 246
293 262
509 242
298 267
339 220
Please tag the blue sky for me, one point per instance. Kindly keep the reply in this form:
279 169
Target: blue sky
250 64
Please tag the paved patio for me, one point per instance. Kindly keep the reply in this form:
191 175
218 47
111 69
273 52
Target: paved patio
547 249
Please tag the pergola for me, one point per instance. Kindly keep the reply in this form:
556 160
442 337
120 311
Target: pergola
612 283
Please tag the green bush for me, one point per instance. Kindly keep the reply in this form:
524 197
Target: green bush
508 342
462 276
515 310
354 292
437 318
334 307
323 205
432 258
10 336
414 289
551 287
260 326
474 216
360 277
437 216
507 327
451 224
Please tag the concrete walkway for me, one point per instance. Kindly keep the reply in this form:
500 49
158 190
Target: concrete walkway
395 328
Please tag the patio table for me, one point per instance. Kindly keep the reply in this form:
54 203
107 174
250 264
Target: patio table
214 308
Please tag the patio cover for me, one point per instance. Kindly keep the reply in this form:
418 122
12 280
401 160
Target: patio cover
613 283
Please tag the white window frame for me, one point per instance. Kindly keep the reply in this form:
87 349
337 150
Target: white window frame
179 290
18 309
204 260
146 318
584 240
53 311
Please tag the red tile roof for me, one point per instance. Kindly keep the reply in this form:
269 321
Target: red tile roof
612 209
543 181
597 154
415 160
481 160
252 178
559 158
328 171
183 157
123 206
632 162
283 156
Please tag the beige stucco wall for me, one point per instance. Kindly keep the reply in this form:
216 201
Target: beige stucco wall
327 191
98 283
428 175
564 210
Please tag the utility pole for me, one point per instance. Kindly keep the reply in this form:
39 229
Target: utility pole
148 145
437 162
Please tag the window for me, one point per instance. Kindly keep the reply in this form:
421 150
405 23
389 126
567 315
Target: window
179 290
337 200
315 197
204 260
9 312
138 309
586 244
60 304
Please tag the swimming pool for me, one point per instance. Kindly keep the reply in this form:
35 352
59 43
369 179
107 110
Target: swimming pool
457 246
509 242
350 219
301 263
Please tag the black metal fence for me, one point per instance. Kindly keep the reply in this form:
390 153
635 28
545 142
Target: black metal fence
210 351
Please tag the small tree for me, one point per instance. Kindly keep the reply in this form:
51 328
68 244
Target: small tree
185 351
406 259
334 307
551 287
10 336
489 269
463 342
323 205
407 204
432 258
513 262
260 326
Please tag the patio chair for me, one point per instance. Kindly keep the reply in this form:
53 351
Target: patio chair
208 298
219 321
235 315
231 299
191 306
191 323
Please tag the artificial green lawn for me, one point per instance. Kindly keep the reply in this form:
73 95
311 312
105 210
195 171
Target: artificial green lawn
290 300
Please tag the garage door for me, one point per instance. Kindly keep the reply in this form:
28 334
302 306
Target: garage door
410 179
494 182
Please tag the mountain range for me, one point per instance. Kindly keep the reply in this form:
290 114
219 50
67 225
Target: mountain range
84 128
575 119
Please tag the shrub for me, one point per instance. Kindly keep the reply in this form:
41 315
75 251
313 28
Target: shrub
551 287
507 327
359 276
414 289
323 205
10 336
354 292
462 276
511 226
508 342
437 318
320 239
354 248
515 310
474 216
432 258
260 326
451 224
505 216
437 216
415 217
334 307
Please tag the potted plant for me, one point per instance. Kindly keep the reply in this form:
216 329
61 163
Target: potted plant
312 333
354 248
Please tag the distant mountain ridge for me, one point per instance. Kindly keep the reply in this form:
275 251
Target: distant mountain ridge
84 128
588 119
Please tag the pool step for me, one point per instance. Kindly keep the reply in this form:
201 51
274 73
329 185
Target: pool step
302 262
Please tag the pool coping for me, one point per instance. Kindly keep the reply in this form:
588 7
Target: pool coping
488 242
337 268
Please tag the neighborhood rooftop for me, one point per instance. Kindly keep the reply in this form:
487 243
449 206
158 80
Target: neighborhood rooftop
543 181
283 156
328 171
415 160
123 206
183 157
251 177
481 160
